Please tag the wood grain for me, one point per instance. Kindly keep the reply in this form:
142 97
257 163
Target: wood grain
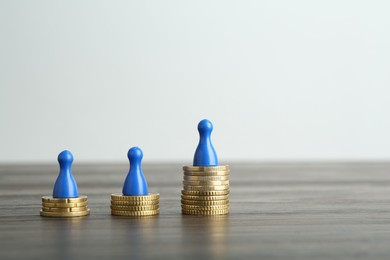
278 211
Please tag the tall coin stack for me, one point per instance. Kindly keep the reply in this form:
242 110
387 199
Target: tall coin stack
205 190
64 207
135 206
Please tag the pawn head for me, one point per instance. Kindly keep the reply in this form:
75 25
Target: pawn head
205 126
135 154
65 158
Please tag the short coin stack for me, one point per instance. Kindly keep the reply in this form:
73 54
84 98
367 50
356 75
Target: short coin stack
135 206
64 207
205 190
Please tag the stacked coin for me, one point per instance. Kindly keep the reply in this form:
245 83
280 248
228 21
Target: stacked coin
64 207
205 190
135 206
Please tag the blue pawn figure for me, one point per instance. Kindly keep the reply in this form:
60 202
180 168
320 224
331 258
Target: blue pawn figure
65 186
135 183
205 154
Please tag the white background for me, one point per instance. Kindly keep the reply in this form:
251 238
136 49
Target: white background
280 80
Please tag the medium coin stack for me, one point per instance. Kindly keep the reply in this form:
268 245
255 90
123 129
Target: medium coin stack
135 206
205 190
64 207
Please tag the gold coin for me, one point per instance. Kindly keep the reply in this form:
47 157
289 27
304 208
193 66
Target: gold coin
64 209
205 193
135 213
64 214
205 183
64 205
206 188
206 168
227 174
205 202
135 208
204 212
150 196
50 199
134 203
204 198
211 207
205 178
207 171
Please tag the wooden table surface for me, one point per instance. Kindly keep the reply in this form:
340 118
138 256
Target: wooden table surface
278 211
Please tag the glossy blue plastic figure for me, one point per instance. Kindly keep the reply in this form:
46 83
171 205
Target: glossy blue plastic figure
205 154
65 186
135 183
